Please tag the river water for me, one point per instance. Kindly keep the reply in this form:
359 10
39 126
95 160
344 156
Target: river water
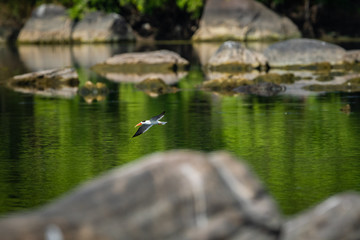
301 146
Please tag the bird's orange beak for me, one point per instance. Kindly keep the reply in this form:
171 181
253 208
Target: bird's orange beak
139 124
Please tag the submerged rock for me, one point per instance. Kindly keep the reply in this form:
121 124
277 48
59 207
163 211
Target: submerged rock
300 53
102 27
155 87
49 23
265 89
336 218
54 82
242 20
225 85
172 195
234 56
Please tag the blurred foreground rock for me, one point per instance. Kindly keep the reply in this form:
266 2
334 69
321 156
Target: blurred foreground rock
334 219
182 195
172 195
54 82
242 20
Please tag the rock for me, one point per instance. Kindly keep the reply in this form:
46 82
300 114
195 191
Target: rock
242 20
49 23
352 56
225 85
304 53
233 55
161 60
102 27
172 195
91 91
55 82
336 218
265 89
155 87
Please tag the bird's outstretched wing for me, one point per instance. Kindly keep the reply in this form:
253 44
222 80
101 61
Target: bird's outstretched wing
142 129
158 117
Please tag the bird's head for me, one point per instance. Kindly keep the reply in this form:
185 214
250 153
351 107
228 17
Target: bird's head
140 123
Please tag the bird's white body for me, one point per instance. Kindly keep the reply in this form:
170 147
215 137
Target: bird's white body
147 124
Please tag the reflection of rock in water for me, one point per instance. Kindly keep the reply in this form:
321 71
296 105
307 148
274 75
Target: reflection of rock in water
346 109
265 89
55 82
91 92
39 57
155 86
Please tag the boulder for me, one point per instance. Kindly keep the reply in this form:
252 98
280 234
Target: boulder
49 23
233 55
102 27
303 52
54 82
172 195
336 218
242 20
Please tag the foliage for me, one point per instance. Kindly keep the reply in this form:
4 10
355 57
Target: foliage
79 7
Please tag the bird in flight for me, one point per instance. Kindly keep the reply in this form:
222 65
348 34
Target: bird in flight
146 124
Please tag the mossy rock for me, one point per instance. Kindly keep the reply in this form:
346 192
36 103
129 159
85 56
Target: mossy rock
231 67
323 66
352 85
287 78
54 79
225 84
155 86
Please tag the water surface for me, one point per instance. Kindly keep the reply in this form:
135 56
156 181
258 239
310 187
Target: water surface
302 147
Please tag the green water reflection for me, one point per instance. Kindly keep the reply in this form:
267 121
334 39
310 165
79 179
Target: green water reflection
304 149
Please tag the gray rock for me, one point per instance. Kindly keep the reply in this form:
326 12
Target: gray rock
336 218
102 27
49 23
235 54
242 20
173 195
303 52
154 57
